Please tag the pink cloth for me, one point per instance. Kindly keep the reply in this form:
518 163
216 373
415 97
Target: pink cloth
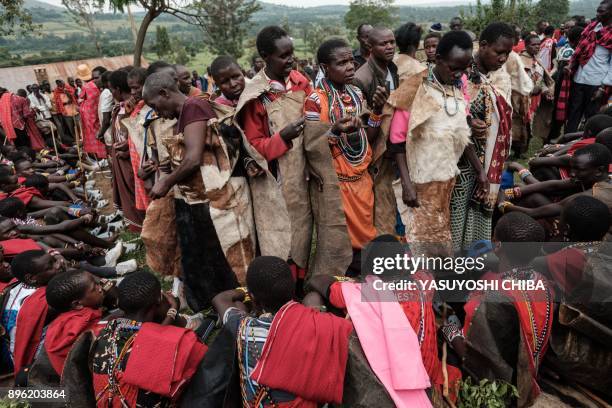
389 343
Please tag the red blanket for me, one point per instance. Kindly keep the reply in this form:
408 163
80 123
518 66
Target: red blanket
29 328
13 247
65 330
305 354
6 116
163 359
504 138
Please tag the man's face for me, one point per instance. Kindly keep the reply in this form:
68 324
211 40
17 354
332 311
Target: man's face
60 84
231 81
78 82
604 11
456 24
541 26
494 55
71 82
382 45
24 168
117 94
48 266
280 62
94 295
533 46
162 104
258 64
582 172
135 88
363 34
35 88
184 80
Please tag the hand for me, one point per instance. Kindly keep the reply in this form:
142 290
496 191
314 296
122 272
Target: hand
479 127
174 304
211 140
347 124
598 95
379 99
409 195
482 190
148 168
292 130
514 167
159 190
253 169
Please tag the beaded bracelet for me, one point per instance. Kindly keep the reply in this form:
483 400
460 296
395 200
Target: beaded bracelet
375 117
523 174
373 124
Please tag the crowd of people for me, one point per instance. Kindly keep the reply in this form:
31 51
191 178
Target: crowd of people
266 196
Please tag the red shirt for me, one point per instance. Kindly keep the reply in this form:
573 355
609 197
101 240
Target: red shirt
256 126
13 247
25 194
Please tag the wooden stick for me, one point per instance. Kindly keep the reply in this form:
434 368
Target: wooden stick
54 144
76 135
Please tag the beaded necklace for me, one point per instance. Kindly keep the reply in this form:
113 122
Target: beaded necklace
526 273
435 83
127 325
261 392
347 103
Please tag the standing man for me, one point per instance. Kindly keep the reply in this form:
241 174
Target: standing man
381 73
591 68
66 105
105 109
456 24
90 96
184 81
540 27
198 81
361 54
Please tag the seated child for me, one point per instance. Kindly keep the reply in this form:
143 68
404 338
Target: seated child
304 358
25 314
142 359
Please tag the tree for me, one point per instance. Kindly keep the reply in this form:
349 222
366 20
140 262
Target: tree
314 34
553 11
185 10
83 11
181 57
162 42
13 14
519 12
374 12
226 24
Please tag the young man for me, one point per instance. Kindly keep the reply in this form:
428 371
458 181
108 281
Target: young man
122 355
65 100
428 148
17 121
361 54
284 372
105 109
378 75
89 98
546 53
489 89
270 114
590 68
507 330
430 44
210 193
543 88
24 310
589 167
78 296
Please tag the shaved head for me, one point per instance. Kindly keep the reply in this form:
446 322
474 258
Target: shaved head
161 92
378 32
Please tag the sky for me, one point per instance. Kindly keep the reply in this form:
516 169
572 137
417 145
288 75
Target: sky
300 3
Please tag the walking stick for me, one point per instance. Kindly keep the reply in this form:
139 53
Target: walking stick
54 144
76 135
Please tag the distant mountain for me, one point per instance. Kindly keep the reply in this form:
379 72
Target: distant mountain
35 4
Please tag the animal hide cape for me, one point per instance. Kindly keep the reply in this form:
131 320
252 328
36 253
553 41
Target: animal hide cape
282 211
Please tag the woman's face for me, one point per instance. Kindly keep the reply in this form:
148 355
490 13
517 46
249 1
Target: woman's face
341 68
430 45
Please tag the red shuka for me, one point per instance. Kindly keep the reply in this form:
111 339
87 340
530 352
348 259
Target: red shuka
305 354
65 330
30 323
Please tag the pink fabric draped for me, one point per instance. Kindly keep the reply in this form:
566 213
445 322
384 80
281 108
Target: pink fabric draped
389 343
